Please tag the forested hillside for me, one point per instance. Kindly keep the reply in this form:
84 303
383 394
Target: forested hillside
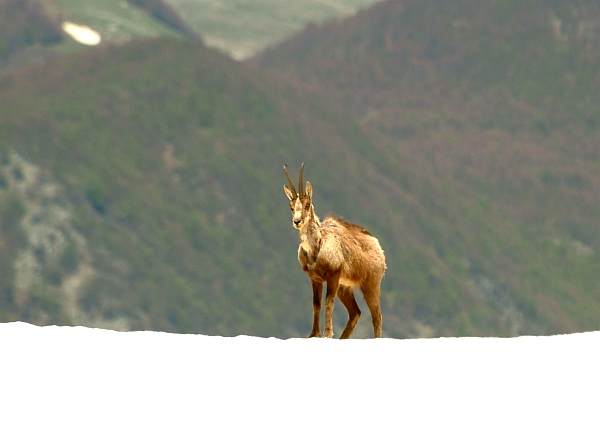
141 183
501 99
142 188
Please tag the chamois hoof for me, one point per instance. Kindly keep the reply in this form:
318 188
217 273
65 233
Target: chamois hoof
328 334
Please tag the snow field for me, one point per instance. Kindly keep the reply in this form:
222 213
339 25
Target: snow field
77 384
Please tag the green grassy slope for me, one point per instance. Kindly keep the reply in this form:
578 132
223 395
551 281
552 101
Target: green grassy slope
501 100
119 21
30 30
241 28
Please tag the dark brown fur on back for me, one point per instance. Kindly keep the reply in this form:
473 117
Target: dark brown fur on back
349 225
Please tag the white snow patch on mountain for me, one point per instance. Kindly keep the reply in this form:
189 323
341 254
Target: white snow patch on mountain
82 34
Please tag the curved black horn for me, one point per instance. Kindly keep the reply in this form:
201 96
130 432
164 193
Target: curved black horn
301 181
290 180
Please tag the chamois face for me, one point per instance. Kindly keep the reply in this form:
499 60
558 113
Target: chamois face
301 206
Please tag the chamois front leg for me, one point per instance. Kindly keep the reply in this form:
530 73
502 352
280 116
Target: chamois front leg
332 288
317 288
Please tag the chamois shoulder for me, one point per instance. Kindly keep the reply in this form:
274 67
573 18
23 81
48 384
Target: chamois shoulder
336 220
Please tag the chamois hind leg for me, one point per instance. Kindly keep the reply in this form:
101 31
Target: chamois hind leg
317 288
332 288
346 295
372 295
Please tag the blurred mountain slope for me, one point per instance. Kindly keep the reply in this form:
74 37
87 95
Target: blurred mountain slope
23 25
142 188
501 99
241 28
31 30
141 184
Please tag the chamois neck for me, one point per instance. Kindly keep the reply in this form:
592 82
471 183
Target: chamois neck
310 234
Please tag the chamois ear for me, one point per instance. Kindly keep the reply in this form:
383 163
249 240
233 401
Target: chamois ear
308 189
288 192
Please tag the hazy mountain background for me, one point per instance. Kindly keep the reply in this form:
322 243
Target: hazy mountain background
241 28
30 29
141 180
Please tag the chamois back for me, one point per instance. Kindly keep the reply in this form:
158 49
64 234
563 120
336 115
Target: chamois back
349 225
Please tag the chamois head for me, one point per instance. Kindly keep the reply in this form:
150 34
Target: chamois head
301 201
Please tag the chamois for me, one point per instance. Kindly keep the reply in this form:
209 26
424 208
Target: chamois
338 253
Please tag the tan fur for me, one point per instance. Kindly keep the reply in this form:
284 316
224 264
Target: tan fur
340 254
